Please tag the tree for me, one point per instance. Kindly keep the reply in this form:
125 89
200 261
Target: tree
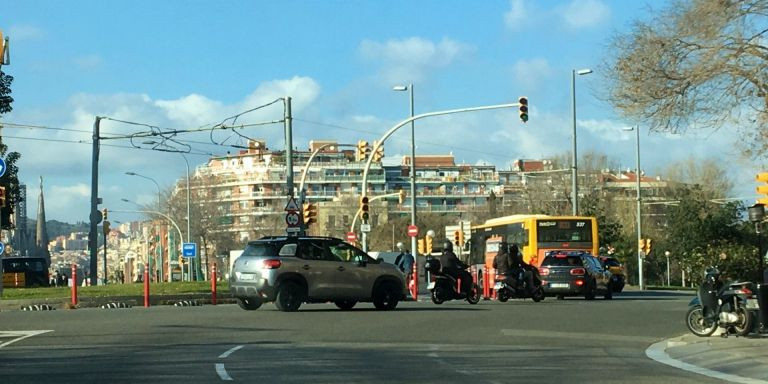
10 179
698 64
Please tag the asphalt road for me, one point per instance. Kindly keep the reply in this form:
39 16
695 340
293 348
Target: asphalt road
569 341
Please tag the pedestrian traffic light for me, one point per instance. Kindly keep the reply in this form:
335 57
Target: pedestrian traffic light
401 196
104 214
647 246
762 189
422 247
106 228
456 238
364 208
428 244
523 108
378 151
362 150
309 213
2 196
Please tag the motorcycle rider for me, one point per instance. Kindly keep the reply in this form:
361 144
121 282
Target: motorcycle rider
501 265
518 267
452 266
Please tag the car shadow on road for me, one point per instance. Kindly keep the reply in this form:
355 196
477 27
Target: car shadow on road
450 308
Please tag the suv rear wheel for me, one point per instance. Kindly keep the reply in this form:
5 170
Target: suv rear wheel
385 297
249 304
289 297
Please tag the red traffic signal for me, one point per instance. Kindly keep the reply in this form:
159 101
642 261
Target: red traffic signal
523 108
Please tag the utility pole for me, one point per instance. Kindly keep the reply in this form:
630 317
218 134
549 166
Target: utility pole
95 215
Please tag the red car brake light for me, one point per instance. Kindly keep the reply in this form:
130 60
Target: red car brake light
579 282
543 271
271 264
578 271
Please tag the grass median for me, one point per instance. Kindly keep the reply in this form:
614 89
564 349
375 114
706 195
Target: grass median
135 289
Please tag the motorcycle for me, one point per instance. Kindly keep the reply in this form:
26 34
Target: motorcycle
716 305
506 291
445 287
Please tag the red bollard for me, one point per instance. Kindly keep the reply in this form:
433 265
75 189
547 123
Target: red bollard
213 284
414 284
74 284
486 275
146 285
492 283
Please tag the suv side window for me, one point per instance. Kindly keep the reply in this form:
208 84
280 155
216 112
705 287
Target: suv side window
312 250
346 252
288 250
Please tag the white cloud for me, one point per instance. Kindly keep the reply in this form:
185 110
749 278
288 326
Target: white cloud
516 15
410 59
584 13
529 74
191 110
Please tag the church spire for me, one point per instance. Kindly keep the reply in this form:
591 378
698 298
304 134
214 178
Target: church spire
41 235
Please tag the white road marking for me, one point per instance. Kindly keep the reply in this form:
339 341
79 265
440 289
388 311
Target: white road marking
231 351
658 352
222 372
576 335
20 335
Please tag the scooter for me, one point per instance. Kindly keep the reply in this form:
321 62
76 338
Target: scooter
732 307
446 287
506 291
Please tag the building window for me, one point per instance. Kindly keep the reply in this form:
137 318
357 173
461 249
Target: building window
331 221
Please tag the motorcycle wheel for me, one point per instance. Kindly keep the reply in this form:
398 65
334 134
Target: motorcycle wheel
697 324
502 296
538 295
474 295
744 325
437 295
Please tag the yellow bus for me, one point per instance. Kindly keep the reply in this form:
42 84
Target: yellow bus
534 234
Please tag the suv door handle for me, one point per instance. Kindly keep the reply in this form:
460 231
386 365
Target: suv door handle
305 267
341 268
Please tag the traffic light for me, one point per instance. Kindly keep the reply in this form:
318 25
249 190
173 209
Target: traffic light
641 245
457 238
379 151
104 214
647 246
362 150
105 225
461 239
2 196
422 248
762 189
364 208
401 196
428 244
523 108
309 212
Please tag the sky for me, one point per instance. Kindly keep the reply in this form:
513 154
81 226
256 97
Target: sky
180 65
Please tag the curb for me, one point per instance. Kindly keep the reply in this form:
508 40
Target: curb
132 301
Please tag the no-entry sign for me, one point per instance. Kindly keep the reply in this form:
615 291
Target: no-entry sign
413 231
351 237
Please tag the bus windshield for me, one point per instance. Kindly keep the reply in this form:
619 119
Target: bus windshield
563 231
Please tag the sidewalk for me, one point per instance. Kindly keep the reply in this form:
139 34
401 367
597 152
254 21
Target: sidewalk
733 359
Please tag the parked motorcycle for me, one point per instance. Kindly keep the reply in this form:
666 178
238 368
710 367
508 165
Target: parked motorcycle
446 287
716 305
506 291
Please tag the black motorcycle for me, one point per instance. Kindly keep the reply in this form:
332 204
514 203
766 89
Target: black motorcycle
719 305
445 287
519 290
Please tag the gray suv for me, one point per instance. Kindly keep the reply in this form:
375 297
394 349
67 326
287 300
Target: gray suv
291 271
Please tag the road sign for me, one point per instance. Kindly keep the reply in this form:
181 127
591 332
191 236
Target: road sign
292 205
351 237
292 218
189 250
365 227
2 247
413 231
2 167
292 230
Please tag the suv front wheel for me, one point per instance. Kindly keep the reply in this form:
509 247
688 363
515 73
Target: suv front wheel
289 296
385 297
249 304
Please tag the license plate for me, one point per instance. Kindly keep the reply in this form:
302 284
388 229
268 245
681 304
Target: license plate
558 285
752 304
247 276
431 286
499 285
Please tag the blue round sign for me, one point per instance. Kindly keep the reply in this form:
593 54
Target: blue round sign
2 247
2 167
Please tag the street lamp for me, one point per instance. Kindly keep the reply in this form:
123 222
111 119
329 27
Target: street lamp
402 88
152 180
189 233
639 204
667 254
574 180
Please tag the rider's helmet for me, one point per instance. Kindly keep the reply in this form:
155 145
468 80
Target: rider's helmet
447 246
400 246
504 247
712 273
